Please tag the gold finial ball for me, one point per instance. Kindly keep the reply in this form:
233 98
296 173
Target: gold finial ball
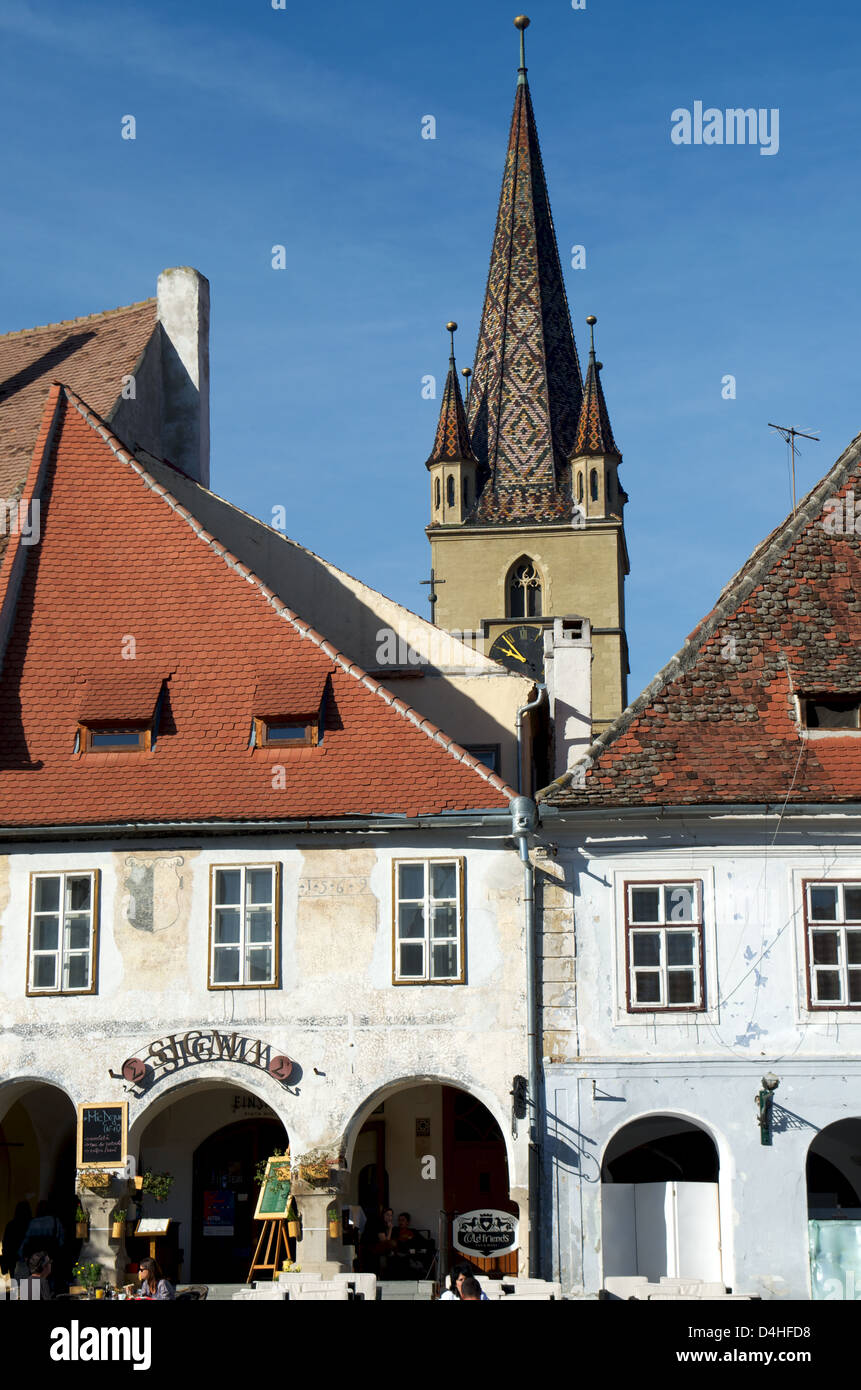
591 319
466 371
451 326
600 366
522 21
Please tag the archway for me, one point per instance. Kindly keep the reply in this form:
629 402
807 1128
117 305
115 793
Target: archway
433 1150
660 1201
834 1211
37 1157
210 1136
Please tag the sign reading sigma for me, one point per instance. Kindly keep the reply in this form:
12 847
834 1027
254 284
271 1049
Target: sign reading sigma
167 1055
485 1233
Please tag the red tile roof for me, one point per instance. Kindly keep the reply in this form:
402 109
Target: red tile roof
719 723
120 558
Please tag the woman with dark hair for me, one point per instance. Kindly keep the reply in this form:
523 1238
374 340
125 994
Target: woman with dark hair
454 1292
152 1283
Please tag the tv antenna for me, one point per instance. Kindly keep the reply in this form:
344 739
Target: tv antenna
790 434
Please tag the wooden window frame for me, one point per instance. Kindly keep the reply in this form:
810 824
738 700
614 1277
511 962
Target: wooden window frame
275 982
311 739
94 875
695 928
144 733
839 925
460 899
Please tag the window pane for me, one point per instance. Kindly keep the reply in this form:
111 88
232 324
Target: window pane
852 904
285 733
412 961
647 987
855 986
826 949
853 947
411 880
228 886
411 921
77 972
259 924
444 962
226 925
78 894
226 967
681 986
680 948
44 972
259 966
77 933
258 885
827 985
47 897
644 904
443 881
118 740
679 902
444 921
646 947
823 904
46 933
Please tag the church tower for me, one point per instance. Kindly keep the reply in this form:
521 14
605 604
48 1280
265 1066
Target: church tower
526 506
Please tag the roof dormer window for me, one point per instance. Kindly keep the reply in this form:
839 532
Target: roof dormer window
115 739
281 733
826 713
289 710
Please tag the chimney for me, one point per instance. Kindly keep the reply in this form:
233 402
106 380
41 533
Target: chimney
568 675
183 312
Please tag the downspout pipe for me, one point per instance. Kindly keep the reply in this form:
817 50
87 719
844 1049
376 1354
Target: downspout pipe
518 725
524 821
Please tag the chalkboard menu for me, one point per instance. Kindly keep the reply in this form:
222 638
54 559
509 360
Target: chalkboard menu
103 1134
274 1197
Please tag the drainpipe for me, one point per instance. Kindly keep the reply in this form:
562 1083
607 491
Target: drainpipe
518 724
524 819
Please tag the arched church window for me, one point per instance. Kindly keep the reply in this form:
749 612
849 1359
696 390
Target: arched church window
593 485
524 590
449 490
579 485
436 504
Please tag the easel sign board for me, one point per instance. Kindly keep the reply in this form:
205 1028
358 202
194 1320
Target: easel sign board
273 1198
152 1226
103 1133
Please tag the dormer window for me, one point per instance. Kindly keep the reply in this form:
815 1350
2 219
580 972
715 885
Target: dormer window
831 713
289 710
120 710
119 738
281 733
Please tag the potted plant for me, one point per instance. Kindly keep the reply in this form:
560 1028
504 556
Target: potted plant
288 1267
294 1226
88 1273
314 1169
118 1221
94 1180
157 1185
333 1217
82 1225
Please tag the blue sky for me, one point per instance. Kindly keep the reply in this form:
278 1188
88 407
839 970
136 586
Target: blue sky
303 127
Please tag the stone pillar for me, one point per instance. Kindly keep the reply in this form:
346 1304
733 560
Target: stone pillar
110 1254
317 1252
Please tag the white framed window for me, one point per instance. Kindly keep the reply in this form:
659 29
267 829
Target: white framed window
63 933
832 917
664 945
244 920
428 928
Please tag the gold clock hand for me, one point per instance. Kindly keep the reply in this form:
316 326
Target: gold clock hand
512 650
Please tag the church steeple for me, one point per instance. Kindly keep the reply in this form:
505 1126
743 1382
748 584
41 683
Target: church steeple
594 433
452 464
595 458
527 387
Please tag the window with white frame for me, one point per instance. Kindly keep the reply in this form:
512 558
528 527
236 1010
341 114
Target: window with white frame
664 944
244 927
428 926
63 933
832 914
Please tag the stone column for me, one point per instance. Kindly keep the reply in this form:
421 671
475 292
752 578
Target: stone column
317 1251
110 1254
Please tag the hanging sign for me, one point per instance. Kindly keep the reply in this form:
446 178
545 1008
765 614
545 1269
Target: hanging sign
103 1128
485 1233
180 1050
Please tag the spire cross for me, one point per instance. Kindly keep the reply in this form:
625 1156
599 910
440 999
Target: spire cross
432 596
522 23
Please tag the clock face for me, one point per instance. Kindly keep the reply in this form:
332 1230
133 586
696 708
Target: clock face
521 649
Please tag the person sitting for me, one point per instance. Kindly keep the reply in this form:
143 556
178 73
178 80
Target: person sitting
152 1283
470 1291
37 1285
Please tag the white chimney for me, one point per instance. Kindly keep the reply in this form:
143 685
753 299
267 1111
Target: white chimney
568 675
183 312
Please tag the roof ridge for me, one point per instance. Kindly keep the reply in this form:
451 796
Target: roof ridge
431 730
735 592
82 318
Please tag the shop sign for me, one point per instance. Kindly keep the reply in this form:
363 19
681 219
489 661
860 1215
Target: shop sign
485 1233
180 1050
218 1209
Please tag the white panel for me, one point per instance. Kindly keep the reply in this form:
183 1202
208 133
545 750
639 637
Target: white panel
698 1230
653 1201
618 1228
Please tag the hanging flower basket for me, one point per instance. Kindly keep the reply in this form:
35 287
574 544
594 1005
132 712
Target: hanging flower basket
82 1229
283 1173
94 1180
315 1170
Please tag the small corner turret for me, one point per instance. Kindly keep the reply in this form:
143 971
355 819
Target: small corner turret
452 464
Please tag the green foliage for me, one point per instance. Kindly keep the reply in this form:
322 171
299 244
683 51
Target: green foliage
260 1170
87 1272
158 1185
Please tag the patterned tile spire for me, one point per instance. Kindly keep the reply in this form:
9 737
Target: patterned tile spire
452 443
594 432
527 387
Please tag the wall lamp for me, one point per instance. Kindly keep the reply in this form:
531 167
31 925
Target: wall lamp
764 1106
